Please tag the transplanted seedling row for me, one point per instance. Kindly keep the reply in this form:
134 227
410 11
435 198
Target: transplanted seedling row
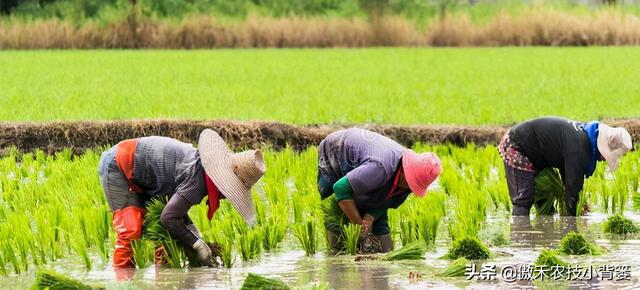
52 207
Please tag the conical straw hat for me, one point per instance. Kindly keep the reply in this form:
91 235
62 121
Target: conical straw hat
613 143
233 173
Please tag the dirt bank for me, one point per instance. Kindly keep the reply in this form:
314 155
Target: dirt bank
79 136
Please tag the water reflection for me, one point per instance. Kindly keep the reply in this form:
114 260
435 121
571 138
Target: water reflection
349 275
542 231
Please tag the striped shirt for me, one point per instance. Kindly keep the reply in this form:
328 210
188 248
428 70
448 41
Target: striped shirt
165 166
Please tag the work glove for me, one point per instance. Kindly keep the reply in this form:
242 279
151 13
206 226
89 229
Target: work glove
194 230
205 257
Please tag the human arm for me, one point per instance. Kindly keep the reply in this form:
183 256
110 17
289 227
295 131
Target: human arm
344 196
573 179
172 218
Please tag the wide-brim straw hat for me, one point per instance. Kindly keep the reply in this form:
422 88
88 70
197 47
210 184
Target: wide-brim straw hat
233 173
420 170
613 143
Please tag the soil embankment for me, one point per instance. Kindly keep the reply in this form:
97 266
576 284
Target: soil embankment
79 136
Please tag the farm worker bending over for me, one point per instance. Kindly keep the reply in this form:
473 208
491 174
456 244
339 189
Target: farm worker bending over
570 146
136 170
370 173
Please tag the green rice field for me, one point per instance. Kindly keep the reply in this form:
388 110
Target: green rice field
473 86
54 214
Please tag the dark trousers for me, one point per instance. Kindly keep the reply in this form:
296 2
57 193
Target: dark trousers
522 189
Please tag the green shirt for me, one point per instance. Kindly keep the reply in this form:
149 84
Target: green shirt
343 190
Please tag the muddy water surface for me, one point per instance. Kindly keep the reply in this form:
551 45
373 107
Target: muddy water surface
527 239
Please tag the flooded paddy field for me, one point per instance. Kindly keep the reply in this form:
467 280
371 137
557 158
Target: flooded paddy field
44 198
527 238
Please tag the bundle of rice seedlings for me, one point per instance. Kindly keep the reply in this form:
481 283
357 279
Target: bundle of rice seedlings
176 255
549 259
351 233
142 253
576 244
334 221
549 191
468 247
306 235
617 224
456 269
250 244
255 281
412 251
49 279
275 228
334 217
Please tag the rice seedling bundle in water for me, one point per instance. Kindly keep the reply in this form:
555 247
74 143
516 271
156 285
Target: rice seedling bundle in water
334 217
49 279
549 193
153 230
468 247
618 224
250 244
175 254
275 228
412 251
257 282
549 258
576 244
143 251
306 235
456 269
351 234
550 262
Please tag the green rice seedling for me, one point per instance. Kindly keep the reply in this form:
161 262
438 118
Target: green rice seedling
617 224
408 230
226 253
250 244
412 251
428 226
52 280
174 254
576 244
549 193
351 233
275 228
306 235
224 244
261 215
550 261
143 253
299 207
81 247
468 247
257 282
456 269
469 215
334 218
636 201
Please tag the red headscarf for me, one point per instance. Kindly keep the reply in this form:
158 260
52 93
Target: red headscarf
214 196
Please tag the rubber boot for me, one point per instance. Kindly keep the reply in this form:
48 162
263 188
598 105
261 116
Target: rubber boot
520 210
386 242
127 223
